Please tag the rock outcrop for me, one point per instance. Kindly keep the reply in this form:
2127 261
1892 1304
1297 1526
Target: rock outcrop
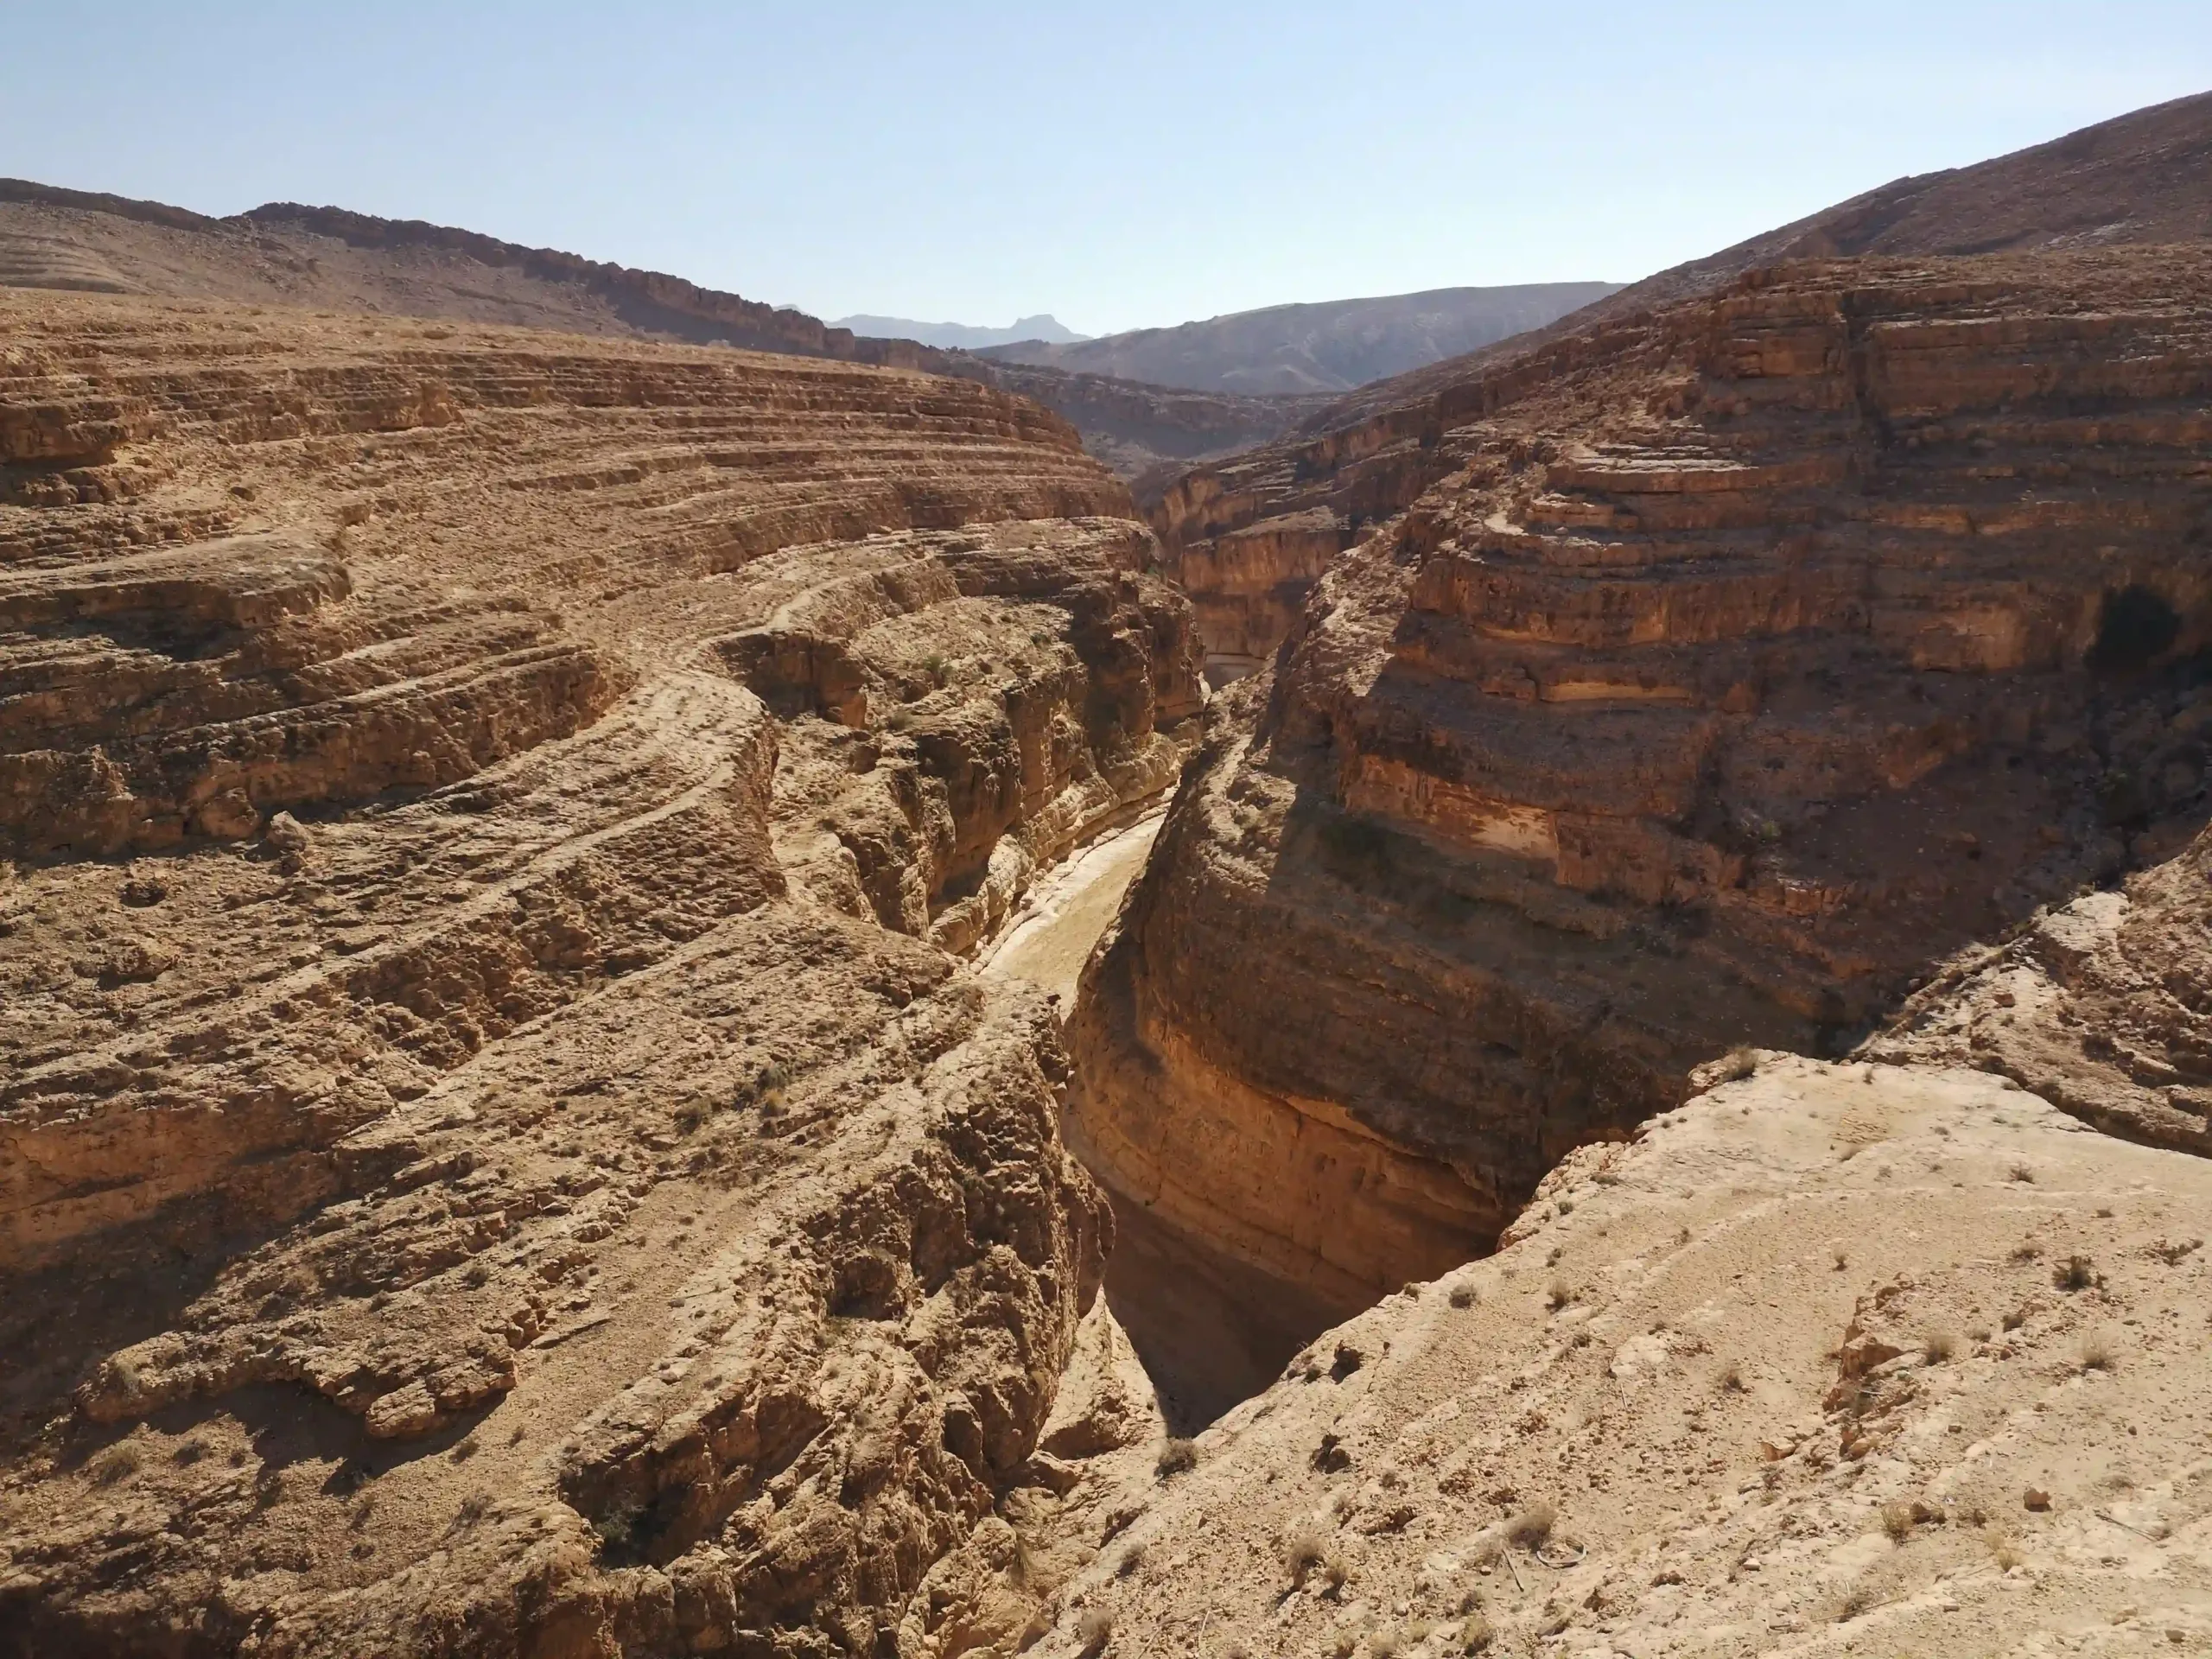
1834 1359
1747 658
496 1152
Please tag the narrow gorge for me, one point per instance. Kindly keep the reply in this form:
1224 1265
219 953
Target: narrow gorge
658 998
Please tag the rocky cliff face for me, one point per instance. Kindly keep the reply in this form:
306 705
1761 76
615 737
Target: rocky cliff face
495 1153
1746 659
2137 181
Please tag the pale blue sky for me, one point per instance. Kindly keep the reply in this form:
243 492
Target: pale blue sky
1116 166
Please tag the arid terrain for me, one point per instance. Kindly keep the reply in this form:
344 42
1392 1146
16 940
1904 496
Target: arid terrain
1332 346
326 259
646 1007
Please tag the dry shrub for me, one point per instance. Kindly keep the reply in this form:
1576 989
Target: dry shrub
1558 1294
1897 1521
1132 1558
1736 1064
1177 1456
2095 1352
1462 1296
2004 1552
118 1463
1093 1627
1530 1527
2074 1272
1305 1548
1938 1346
1475 1634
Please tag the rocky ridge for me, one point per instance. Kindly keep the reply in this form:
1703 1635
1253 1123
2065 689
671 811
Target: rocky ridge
500 1152
1743 665
2139 181
328 258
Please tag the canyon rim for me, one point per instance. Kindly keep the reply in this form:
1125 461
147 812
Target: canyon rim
1648 1094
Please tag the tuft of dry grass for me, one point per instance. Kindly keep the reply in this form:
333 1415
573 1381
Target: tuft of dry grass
1132 1560
1738 1062
1177 1456
1558 1294
1092 1627
1732 1379
1897 1521
1305 1548
2004 1552
1937 1346
117 1463
1464 1296
1474 1634
2074 1272
2095 1352
2022 1173
2015 1320
1531 1526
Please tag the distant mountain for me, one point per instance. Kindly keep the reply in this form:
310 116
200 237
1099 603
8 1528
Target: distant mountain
1331 346
961 336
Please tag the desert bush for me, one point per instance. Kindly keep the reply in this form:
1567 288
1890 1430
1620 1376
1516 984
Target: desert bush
1531 1526
2094 1353
1897 1521
1305 1548
118 1463
1937 1346
1177 1456
2074 1272
1093 1627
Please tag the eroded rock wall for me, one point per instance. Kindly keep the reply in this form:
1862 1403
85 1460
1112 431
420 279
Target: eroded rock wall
1742 662
495 1154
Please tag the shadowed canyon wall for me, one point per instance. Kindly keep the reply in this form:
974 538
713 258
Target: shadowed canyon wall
1746 658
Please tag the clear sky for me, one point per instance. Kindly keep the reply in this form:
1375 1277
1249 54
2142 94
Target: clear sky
1116 166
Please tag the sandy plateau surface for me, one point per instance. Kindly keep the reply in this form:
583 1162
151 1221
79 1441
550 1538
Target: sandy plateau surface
1836 1358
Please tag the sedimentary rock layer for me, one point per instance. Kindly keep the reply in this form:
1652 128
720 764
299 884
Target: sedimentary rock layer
1746 659
328 258
2137 182
495 1155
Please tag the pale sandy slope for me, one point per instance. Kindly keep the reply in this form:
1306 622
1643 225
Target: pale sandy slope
1788 1369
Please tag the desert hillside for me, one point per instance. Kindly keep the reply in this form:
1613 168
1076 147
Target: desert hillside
326 259
1246 536
1331 346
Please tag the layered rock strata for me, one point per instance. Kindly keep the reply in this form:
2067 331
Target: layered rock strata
1747 658
495 1154
2139 180
326 258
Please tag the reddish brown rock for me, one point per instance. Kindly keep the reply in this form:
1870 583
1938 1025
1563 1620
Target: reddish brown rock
1743 660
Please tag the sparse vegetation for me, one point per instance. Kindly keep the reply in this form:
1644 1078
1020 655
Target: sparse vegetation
1177 1456
2074 1272
115 1463
1531 1526
1474 1635
1305 1548
2015 1320
1738 1062
2094 1353
2004 1552
1937 1346
2022 1173
1897 1521
1462 1296
1093 1627
1558 1294
1131 1562
1732 1379
191 1451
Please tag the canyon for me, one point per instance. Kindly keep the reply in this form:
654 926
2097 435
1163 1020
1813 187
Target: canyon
650 1007
331 259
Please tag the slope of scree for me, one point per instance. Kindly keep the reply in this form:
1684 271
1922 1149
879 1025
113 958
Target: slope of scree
1247 536
331 259
496 1153
1834 1359
1751 656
